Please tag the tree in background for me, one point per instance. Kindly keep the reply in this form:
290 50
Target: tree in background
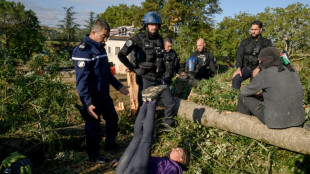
68 28
50 33
120 15
183 20
230 32
288 28
90 22
19 31
188 20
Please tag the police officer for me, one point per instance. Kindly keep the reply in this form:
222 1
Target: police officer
93 77
149 61
206 62
171 62
247 55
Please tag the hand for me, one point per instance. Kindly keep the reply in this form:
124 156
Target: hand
238 71
91 111
124 90
127 70
113 164
255 72
139 71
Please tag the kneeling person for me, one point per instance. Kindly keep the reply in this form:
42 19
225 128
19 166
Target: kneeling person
281 105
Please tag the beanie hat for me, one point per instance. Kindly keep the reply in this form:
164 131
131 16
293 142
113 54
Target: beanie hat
269 57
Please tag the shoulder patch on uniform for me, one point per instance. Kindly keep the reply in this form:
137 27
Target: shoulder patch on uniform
129 43
81 63
82 46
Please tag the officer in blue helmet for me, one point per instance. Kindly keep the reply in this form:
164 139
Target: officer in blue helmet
148 49
93 79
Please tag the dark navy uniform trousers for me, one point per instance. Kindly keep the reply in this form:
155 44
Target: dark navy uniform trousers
92 127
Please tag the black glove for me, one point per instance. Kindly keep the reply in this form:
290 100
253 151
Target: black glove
139 71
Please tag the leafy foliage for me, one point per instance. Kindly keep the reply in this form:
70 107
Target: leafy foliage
302 66
230 32
215 151
42 101
68 28
288 27
120 15
19 31
90 22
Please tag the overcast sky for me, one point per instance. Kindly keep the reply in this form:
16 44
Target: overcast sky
50 12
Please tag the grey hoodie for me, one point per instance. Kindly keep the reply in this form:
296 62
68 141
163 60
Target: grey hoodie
283 97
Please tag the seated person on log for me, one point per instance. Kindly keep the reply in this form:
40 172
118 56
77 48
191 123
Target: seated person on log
280 105
137 157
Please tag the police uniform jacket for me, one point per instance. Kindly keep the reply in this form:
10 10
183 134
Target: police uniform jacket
93 75
247 55
144 46
206 63
172 63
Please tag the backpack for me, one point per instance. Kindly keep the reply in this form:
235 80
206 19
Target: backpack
17 163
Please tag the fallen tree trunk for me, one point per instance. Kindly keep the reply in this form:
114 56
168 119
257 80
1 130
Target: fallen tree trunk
294 139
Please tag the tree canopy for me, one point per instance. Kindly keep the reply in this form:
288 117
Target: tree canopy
119 15
20 33
288 27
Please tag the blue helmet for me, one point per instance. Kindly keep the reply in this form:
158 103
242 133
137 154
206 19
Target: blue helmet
151 18
191 63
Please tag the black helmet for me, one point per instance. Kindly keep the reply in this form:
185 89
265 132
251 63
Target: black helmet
151 18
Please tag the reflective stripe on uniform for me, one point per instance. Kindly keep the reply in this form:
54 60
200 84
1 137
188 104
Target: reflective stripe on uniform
88 59
80 58
100 56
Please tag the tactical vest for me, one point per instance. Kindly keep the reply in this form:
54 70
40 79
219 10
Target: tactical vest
203 61
251 51
169 63
154 53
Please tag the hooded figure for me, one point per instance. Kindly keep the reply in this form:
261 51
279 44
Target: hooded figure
280 105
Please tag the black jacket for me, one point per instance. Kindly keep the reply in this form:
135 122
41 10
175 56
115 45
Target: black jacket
206 66
145 47
171 64
247 55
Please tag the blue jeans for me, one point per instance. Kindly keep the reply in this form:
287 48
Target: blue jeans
136 157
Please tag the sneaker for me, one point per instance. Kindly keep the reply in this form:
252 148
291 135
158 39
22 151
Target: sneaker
99 160
152 92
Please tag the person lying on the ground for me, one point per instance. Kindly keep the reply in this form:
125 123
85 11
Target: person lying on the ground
137 157
281 103
175 162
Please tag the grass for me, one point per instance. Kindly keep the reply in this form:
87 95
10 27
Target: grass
211 150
